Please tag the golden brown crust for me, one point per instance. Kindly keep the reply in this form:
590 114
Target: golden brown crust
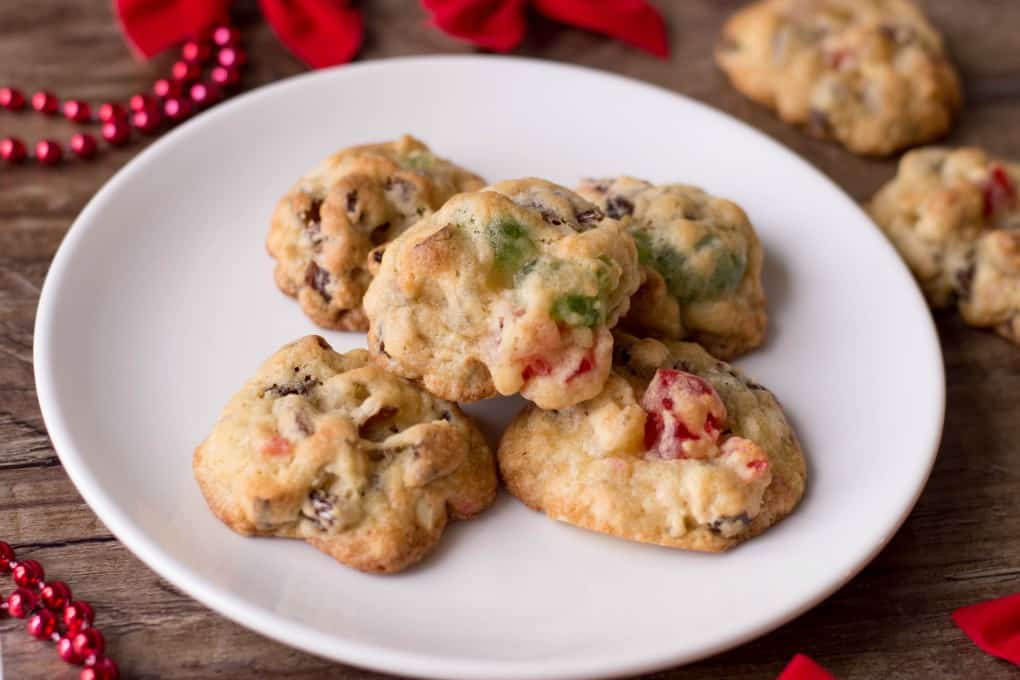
585 465
359 199
329 448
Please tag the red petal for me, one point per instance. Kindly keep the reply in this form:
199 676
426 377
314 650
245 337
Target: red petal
802 667
994 626
632 21
318 32
151 27
493 24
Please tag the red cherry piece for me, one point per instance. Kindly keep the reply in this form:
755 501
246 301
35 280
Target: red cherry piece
185 71
231 57
84 146
141 102
536 367
21 602
12 99
6 551
76 614
195 51
12 150
55 594
116 132
204 94
165 88
77 111
41 624
225 77
999 191
224 36
177 109
276 446
102 669
673 431
28 573
110 111
88 642
45 102
587 363
66 651
146 122
48 152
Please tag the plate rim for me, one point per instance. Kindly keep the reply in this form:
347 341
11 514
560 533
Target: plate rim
367 655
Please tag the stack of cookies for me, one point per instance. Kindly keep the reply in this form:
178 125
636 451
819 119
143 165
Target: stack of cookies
610 308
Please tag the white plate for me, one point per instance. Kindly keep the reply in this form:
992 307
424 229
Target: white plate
160 304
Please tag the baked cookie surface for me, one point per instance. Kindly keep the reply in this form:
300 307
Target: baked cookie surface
871 74
324 228
506 290
954 216
330 448
703 262
680 450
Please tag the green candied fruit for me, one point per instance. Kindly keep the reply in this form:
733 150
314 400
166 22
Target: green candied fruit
422 160
685 283
511 245
577 310
728 272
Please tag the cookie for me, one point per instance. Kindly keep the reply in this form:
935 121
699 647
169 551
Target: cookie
506 290
703 264
680 450
954 217
324 229
330 448
871 74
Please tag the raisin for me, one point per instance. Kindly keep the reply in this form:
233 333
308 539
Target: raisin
551 217
964 280
352 200
318 278
312 215
590 216
716 525
377 254
446 415
380 235
294 387
618 206
322 506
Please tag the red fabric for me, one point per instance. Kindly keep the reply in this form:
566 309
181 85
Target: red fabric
500 24
319 32
802 667
994 626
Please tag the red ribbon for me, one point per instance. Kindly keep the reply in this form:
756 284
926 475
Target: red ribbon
994 626
500 24
803 667
319 32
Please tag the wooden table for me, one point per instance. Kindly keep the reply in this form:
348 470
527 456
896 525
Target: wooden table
960 545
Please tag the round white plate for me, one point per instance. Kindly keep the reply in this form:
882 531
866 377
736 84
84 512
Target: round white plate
161 303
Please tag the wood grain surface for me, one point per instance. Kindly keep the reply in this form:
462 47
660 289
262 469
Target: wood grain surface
960 545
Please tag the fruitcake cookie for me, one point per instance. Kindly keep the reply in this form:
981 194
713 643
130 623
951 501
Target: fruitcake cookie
680 449
330 448
954 216
324 228
703 260
871 74
510 289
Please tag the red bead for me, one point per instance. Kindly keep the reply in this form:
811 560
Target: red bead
103 669
116 132
56 594
21 602
231 57
185 71
88 642
28 573
41 624
84 146
66 651
225 77
205 94
165 88
146 122
12 150
226 35
177 109
47 152
12 99
76 614
77 110
45 102
110 111
6 551
141 102
195 51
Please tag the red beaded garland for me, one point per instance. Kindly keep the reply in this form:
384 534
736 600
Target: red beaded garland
12 150
76 614
28 573
45 102
41 624
141 102
102 669
177 109
84 145
116 132
196 51
231 57
165 88
204 94
77 111
48 152
225 77
21 602
185 71
110 111
6 551
147 122
225 35
55 594
12 99
88 642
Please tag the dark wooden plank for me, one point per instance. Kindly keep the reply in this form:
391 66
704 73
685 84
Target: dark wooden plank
960 544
